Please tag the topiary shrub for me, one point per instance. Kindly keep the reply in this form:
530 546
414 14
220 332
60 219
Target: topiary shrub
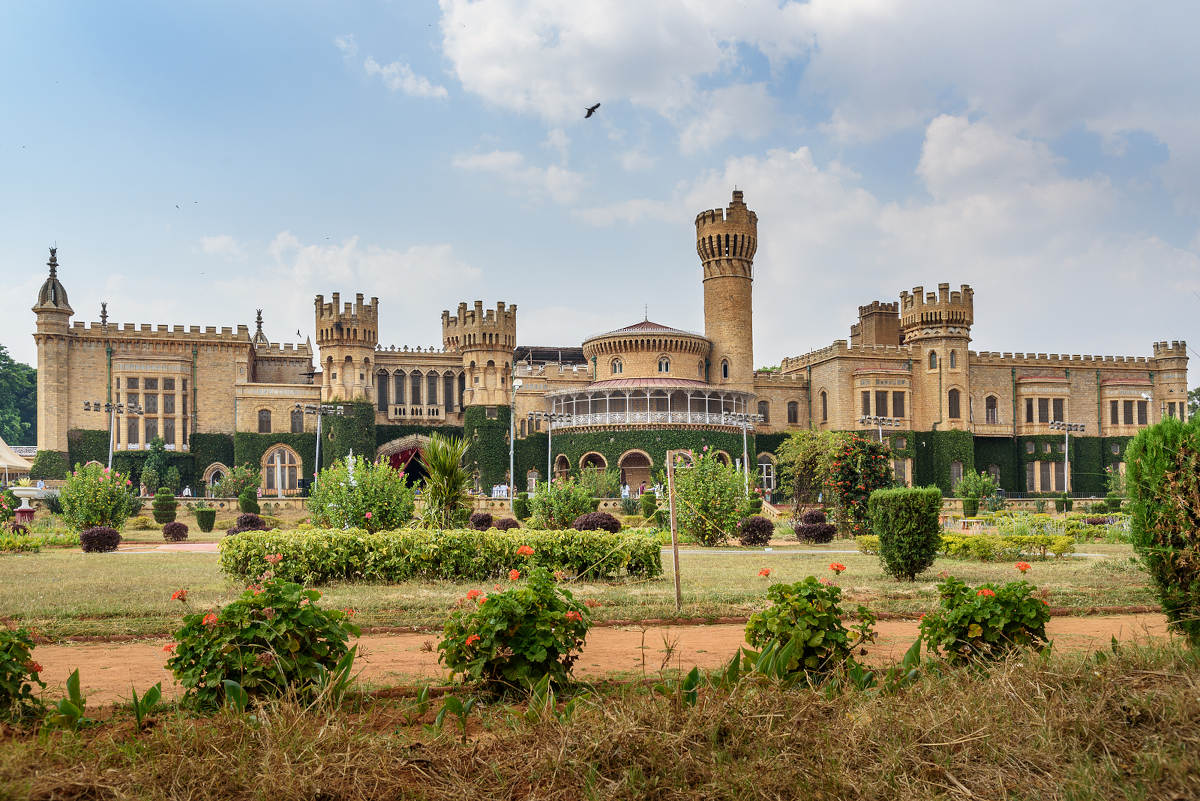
907 524
813 528
249 522
755 530
480 521
164 506
206 519
175 532
248 501
99 539
505 524
970 507
521 506
753 505
649 503
597 521
1163 481
18 675
984 623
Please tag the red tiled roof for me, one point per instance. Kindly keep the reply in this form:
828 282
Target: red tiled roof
648 327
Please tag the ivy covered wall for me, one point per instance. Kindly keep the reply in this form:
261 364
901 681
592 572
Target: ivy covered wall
487 443
249 448
388 432
87 445
1002 452
935 450
209 448
352 430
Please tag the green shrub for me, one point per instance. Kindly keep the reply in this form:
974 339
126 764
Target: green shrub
361 494
141 523
172 480
164 506
239 479
520 506
447 495
96 496
18 676
1112 502
601 483
206 519
19 541
1163 480
907 524
149 479
970 507
754 505
512 639
708 498
649 503
320 556
49 465
8 505
991 548
867 543
977 623
630 506
557 505
248 501
807 614
272 639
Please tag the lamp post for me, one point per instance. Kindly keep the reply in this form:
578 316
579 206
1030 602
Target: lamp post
512 438
551 418
879 422
113 410
320 410
1066 428
743 419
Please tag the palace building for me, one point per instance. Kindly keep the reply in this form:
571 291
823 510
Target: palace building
224 396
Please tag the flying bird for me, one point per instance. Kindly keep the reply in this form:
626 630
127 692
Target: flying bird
591 110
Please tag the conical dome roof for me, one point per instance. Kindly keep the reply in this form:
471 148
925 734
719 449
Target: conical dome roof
53 295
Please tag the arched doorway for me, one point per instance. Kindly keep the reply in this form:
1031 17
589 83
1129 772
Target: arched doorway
593 461
405 454
281 468
635 469
213 474
766 475
723 458
562 466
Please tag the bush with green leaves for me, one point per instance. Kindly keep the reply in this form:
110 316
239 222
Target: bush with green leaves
1163 480
630 506
556 505
99 539
596 521
447 493
513 639
19 676
156 463
907 522
986 622
272 639
164 505
520 506
975 485
649 503
709 498
755 530
1002 547
172 480
808 614
248 501
206 518
49 465
857 468
96 496
239 479
601 483
320 555
149 480
361 494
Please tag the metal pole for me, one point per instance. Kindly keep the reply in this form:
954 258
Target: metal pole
1067 457
549 445
317 457
745 460
512 433
674 525
112 423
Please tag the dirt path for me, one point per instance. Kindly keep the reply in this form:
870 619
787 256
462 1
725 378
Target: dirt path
107 670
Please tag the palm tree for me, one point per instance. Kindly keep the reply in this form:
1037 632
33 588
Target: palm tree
447 498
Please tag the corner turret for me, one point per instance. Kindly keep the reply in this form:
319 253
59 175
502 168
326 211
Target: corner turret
486 340
347 337
726 240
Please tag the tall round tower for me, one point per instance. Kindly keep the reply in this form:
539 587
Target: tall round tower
726 240
938 327
347 337
54 360
486 341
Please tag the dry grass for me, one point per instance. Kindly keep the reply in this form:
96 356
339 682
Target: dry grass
1068 727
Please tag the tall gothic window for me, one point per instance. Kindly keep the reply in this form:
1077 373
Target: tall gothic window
793 412
953 405
264 421
297 421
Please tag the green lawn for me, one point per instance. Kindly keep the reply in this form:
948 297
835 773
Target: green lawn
65 593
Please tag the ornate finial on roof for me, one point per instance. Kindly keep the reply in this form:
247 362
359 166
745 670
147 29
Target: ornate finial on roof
258 320
646 312
103 312
53 263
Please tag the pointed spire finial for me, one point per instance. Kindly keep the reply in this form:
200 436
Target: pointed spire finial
53 263
258 320
646 312
104 312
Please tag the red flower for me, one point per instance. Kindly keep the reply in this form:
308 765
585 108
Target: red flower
179 595
1023 566
170 647
474 638
496 587
473 594
33 667
368 515
209 619
986 593
591 603
274 558
837 568
525 550
573 615
513 575
766 571
349 612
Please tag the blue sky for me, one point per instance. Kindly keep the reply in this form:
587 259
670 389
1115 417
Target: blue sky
194 161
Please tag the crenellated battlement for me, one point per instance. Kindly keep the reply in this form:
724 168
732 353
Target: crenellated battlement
1170 350
209 333
354 324
922 309
878 307
480 329
993 358
841 347
777 377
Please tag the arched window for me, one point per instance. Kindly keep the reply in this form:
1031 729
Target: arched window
700 370
953 359
297 421
414 384
664 364
281 470
952 404
593 461
793 410
764 411
991 409
264 421
381 391
824 407
724 368
956 473
617 367
398 380
932 360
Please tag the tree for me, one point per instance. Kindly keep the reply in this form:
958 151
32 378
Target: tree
859 467
447 494
155 469
18 400
1193 403
804 459
709 498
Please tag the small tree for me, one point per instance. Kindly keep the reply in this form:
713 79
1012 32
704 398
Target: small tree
557 505
858 467
447 492
804 459
237 481
709 499
156 460
149 479
1163 478
96 496
173 481
361 494
907 524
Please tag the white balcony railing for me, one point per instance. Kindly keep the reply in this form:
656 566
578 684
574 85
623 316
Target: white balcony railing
420 412
643 418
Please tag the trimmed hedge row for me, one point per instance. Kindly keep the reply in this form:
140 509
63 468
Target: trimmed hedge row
320 556
988 547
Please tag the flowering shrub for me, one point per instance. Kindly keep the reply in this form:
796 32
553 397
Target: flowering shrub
597 521
512 639
556 505
236 481
858 467
8 505
361 494
808 614
18 675
974 623
907 522
99 539
96 496
480 521
274 637
755 530
709 498
505 524
175 532
395 556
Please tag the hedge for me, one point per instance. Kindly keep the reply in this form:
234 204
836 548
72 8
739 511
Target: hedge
87 445
320 555
987 547
207 449
49 465
906 520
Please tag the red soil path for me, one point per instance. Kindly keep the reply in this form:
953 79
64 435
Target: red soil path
107 670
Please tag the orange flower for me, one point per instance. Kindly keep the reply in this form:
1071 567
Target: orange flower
513 575
573 615
766 571
473 594
591 603
525 550
349 611
986 593
209 619
496 587
837 568
1023 566
474 638
274 558
170 647
482 600
179 595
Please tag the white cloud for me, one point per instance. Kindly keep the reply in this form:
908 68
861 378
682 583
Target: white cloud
743 111
557 182
635 210
347 44
399 77
222 245
558 142
635 160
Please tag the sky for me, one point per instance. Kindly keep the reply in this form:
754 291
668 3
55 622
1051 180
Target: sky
196 161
